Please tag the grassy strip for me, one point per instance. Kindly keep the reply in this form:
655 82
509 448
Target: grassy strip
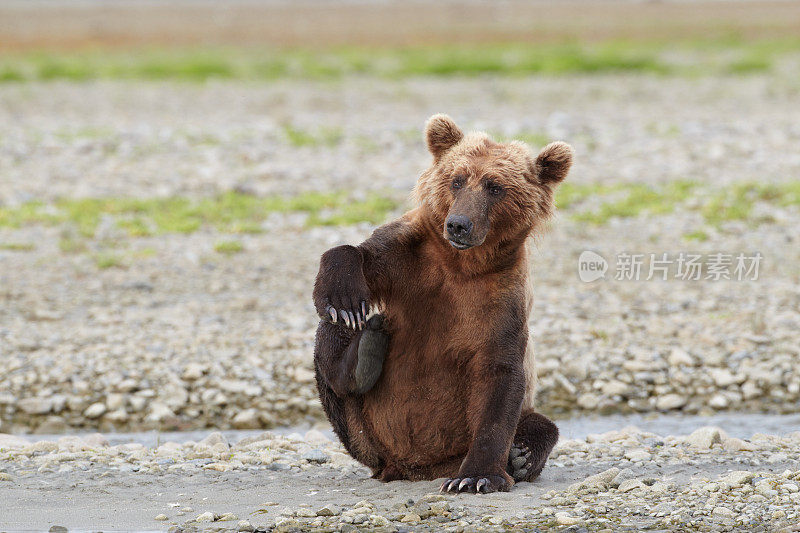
234 212
230 212
721 56
717 206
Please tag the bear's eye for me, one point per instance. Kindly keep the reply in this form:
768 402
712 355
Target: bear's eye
458 182
495 190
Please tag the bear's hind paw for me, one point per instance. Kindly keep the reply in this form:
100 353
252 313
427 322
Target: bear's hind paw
372 349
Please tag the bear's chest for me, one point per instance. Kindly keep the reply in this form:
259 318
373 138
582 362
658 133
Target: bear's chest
440 325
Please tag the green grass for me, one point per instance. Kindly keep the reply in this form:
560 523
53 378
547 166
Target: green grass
322 137
736 202
105 260
721 56
569 194
230 212
639 199
228 247
697 235
17 246
731 203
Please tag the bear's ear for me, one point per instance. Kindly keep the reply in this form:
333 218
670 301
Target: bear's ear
441 134
553 162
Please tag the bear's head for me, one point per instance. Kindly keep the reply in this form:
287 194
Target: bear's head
480 192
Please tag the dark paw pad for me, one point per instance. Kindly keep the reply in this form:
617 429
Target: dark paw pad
372 349
476 484
522 465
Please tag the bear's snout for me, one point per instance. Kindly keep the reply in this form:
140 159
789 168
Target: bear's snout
459 231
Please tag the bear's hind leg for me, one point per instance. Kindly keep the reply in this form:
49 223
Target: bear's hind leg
534 440
347 364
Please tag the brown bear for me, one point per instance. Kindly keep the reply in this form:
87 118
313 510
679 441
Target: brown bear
441 382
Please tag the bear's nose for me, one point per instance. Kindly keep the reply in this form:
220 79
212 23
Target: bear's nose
459 226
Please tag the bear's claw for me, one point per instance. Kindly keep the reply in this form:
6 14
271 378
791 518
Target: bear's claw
355 320
479 485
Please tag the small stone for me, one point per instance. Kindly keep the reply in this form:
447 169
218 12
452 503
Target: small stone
719 401
194 371
36 406
285 523
95 410
565 519
227 517
247 419
624 475
638 455
43 446
379 521
670 401
410 518
316 437
737 478
246 526
160 517
631 484
208 516
588 401
58 529
214 438
678 357
219 467
316 456
705 437
601 480
5 477
723 512
329 510
732 444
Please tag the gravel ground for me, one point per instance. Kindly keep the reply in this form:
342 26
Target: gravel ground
182 337
621 480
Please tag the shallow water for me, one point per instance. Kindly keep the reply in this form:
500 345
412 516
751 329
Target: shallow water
735 424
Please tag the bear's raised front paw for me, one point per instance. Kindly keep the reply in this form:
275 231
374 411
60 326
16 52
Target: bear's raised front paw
476 484
341 294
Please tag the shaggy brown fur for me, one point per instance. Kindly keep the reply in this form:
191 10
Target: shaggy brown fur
440 384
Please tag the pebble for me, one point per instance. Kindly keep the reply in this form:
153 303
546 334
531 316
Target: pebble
208 516
329 510
565 519
244 525
160 517
316 456
705 437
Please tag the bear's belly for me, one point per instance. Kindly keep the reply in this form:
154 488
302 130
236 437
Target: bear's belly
417 409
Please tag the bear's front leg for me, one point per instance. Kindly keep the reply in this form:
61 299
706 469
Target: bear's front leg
350 349
496 392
